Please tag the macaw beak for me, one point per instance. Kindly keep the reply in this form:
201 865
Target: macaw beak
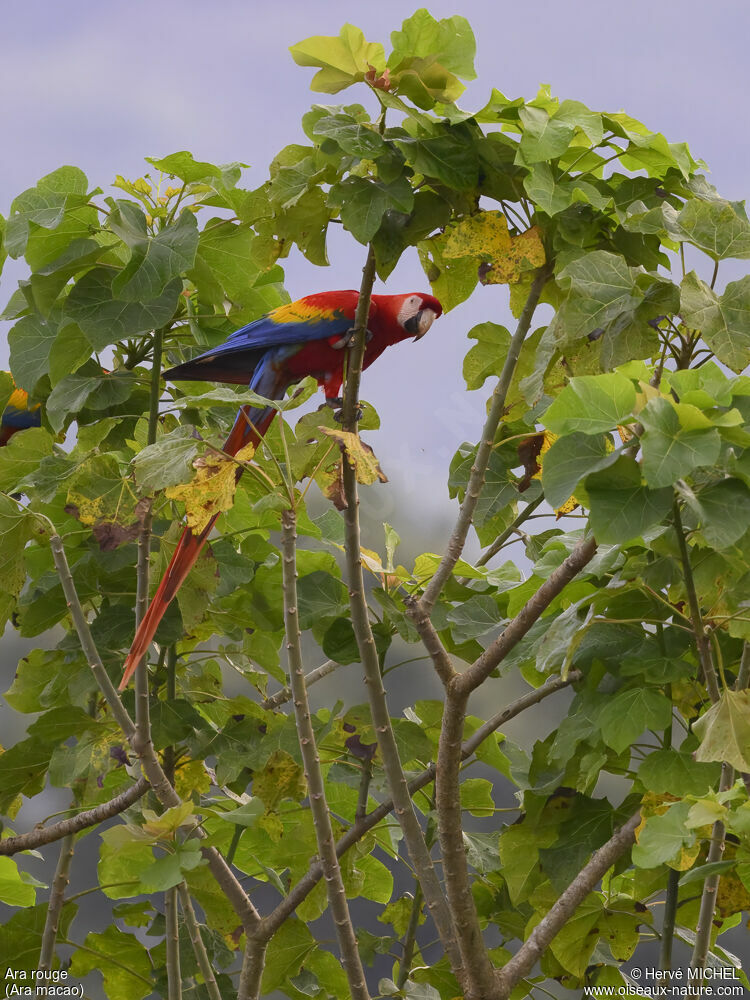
420 323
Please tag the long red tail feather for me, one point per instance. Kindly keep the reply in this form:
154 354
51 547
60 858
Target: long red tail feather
189 548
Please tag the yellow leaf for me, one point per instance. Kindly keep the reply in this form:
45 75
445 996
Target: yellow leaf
191 777
360 455
212 488
504 258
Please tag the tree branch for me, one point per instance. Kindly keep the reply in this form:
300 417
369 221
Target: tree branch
705 656
431 640
199 948
152 769
67 827
56 902
397 784
476 480
345 935
515 630
479 971
172 943
358 830
281 697
253 962
553 922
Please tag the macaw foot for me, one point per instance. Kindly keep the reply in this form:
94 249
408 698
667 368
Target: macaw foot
347 340
337 403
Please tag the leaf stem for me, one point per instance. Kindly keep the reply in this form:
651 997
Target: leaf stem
56 902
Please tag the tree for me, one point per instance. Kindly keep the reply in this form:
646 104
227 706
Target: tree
626 416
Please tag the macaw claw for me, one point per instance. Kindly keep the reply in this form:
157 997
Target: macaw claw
337 403
347 340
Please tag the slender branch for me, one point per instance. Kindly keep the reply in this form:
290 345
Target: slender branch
479 971
68 827
397 784
56 902
142 707
253 963
702 641
281 697
515 630
711 884
172 941
668 923
553 922
431 641
321 815
363 792
358 830
410 938
717 843
152 769
199 948
503 537
476 480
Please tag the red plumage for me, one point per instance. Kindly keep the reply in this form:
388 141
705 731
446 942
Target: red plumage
307 337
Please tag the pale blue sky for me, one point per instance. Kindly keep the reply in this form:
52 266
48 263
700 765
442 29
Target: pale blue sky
100 85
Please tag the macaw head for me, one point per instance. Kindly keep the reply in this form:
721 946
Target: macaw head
417 313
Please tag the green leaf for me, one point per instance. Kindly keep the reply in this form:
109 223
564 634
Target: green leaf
718 227
677 773
343 60
156 261
629 713
183 165
22 456
364 202
569 460
449 158
16 528
671 452
702 872
723 511
353 137
663 837
487 356
724 731
30 342
320 595
75 392
14 889
121 959
106 318
286 952
167 462
45 219
621 507
723 320
591 404
474 617
601 287
449 42
476 797
544 137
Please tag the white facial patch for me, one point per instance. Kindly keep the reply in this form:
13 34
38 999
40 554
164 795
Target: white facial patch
409 308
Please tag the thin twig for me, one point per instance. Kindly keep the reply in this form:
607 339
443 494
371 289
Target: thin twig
701 639
668 923
347 939
56 902
555 919
172 942
199 948
281 697
480 974
67 827
512 527
476 479
410 938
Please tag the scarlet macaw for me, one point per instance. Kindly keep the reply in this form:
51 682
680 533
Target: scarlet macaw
18 415
302 338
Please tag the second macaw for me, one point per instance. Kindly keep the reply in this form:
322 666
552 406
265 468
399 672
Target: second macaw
306 337
18 415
